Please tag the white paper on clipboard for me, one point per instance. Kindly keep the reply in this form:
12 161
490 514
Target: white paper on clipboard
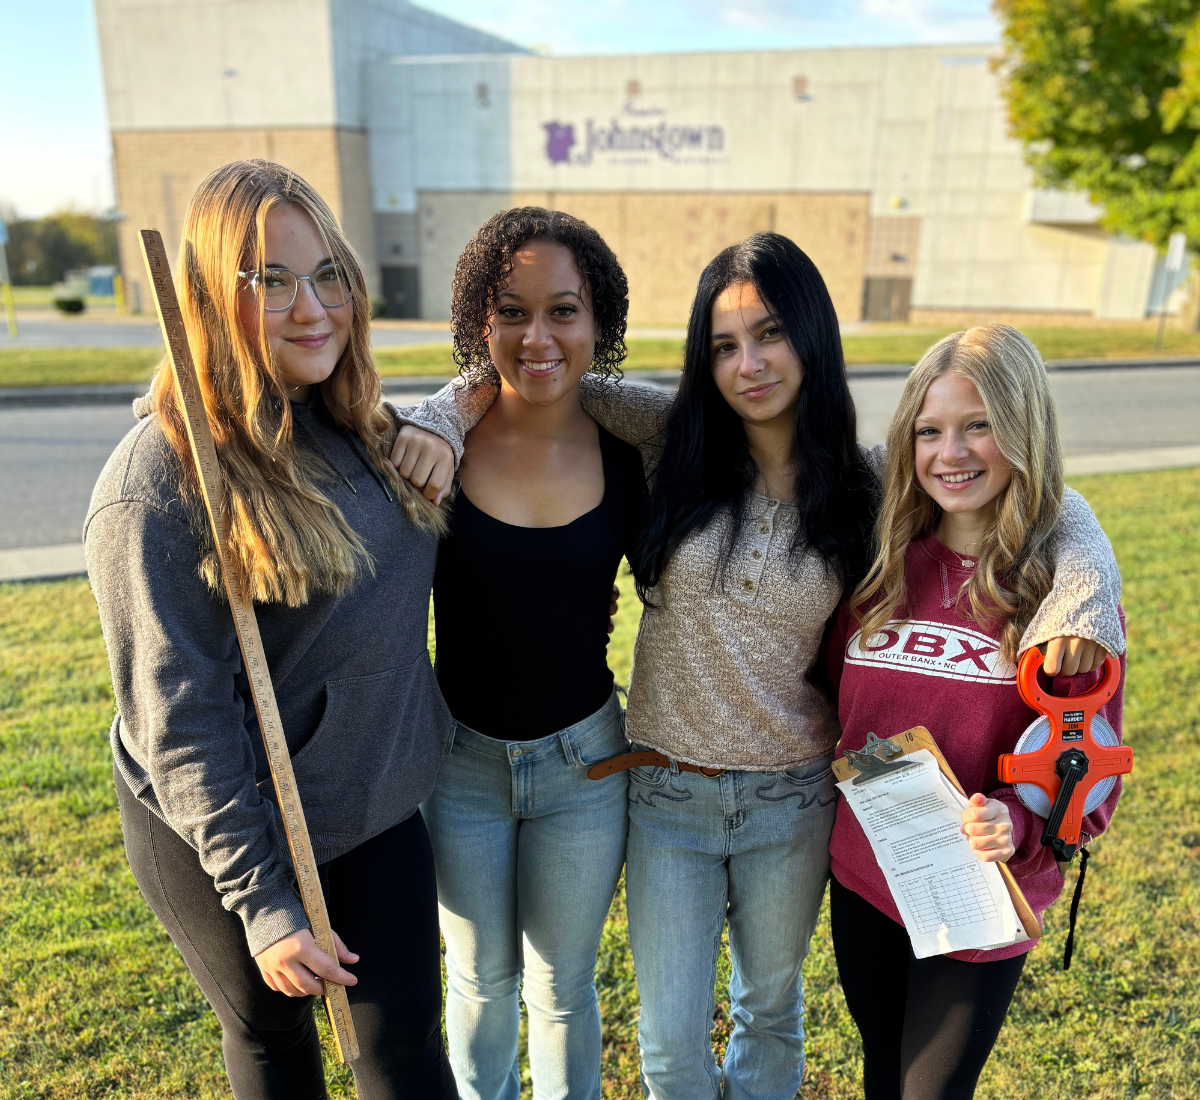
948 899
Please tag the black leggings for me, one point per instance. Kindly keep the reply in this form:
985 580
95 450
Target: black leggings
382 902
927 1025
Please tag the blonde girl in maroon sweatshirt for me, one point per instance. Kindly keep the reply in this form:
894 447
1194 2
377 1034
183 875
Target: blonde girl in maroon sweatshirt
931 637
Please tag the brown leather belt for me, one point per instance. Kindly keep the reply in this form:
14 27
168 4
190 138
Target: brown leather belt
626 760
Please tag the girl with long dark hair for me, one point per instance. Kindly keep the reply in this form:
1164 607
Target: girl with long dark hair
760 517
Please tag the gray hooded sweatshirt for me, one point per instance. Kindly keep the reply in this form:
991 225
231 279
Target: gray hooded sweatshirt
362 714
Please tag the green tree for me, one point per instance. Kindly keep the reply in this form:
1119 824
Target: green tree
1105 95
42 250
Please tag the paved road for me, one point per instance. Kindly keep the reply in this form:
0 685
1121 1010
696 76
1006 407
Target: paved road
49 458
52 333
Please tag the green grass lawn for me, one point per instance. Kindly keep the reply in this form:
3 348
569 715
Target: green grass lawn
94 1001
896 344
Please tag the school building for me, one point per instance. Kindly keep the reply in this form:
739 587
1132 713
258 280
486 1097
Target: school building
892 168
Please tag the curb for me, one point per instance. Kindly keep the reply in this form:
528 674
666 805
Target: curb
125 393
121 393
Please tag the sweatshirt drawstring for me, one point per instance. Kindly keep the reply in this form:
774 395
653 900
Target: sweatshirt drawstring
297 426
357 446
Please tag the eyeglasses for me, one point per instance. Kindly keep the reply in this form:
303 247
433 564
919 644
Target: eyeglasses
279 287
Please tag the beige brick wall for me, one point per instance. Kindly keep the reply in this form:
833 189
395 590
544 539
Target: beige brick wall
663 239
157 172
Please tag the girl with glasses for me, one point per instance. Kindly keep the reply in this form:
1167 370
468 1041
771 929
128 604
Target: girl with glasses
338 554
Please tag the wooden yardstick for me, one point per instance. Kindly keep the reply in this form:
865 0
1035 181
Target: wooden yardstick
253 656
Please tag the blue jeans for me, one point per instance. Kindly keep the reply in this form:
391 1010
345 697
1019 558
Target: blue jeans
751 848
528 852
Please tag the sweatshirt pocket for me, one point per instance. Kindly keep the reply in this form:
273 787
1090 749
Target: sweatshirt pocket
373 755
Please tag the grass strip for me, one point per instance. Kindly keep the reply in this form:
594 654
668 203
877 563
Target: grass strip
94 1000
91 366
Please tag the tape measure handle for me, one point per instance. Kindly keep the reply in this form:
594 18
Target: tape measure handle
1053 705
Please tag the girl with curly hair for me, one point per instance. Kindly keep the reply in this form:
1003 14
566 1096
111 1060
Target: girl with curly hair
528 851
760 518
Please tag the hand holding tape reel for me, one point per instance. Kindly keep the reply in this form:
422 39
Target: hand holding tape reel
1063 767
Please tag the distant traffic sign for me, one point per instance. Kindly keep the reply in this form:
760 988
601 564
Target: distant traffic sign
3 233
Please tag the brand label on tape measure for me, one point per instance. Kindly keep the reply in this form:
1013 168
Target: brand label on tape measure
1070 717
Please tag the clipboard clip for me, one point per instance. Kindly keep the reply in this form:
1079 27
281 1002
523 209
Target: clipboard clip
873 760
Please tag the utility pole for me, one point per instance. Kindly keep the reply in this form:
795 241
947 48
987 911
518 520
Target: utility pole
10 312
1172 266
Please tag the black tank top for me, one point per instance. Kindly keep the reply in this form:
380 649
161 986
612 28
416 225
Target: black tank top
522 612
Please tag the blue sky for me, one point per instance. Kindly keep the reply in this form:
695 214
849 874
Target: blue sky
54 147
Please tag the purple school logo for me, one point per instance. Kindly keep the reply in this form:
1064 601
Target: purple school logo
559 139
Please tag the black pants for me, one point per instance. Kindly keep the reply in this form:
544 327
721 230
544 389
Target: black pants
382 902
927 1025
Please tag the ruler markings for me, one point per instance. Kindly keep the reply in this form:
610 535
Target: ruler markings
249 639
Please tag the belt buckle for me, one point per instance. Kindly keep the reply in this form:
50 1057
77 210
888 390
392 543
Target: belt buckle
711 773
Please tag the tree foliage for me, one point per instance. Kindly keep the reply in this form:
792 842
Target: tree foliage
1105 95
42 250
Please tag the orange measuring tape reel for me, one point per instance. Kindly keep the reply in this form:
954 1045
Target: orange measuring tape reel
1067 761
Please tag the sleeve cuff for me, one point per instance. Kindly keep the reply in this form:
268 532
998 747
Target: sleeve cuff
270 914
400 415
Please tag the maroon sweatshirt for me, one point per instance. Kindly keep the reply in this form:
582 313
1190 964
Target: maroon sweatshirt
941 670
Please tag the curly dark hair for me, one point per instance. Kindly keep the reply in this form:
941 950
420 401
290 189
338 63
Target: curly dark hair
485 264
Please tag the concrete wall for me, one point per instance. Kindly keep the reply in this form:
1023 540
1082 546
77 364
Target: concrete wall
193 84
171 64
920 131
663 240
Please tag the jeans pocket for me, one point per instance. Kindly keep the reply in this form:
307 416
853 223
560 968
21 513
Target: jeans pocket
810 784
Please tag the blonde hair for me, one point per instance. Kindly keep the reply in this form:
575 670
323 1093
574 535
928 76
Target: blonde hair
287 539
1014 573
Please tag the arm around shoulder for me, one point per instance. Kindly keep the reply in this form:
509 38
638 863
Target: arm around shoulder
1086 597
453 411
632 412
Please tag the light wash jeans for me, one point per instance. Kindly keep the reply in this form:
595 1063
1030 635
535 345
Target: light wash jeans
751 848
528 852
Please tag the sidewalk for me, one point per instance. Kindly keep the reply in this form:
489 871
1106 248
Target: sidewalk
43 563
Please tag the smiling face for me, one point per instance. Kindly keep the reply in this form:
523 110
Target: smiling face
958 461
543 333
308 339
753 364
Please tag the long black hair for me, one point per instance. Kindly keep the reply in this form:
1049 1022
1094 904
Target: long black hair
706 466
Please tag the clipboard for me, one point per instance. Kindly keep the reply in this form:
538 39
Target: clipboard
919 738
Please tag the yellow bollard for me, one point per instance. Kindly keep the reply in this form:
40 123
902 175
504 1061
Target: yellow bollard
10 312
119 294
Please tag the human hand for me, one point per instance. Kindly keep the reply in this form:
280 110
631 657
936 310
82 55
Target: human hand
1069 655
424 459
988 829
612 609
295 964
